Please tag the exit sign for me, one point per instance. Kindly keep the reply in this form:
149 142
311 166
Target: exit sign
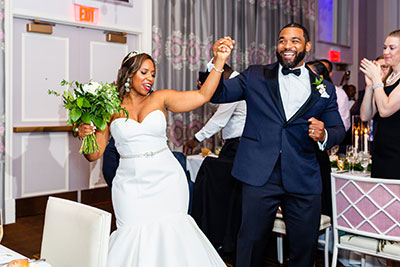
334 56
86 14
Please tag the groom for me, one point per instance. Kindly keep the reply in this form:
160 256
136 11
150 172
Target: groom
287 116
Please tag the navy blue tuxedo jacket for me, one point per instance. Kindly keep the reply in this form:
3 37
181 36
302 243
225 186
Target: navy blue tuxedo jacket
268 134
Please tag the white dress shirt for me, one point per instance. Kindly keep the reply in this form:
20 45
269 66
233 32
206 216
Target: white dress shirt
344 106
229 117
293 97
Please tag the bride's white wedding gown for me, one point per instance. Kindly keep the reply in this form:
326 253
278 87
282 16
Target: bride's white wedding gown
150 198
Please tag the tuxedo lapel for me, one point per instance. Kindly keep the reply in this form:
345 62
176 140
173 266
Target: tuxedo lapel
311 100
271 76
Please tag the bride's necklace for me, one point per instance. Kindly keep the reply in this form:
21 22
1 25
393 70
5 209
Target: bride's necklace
392 77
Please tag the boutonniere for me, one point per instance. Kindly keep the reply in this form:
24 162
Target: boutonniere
321 87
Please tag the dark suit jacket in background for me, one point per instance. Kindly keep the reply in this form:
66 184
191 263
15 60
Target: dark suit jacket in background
110 162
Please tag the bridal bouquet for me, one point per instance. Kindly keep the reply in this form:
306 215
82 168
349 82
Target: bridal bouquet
92 103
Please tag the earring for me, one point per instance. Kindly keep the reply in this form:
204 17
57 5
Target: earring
127 83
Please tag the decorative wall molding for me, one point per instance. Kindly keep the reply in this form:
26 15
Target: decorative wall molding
24 168
62 55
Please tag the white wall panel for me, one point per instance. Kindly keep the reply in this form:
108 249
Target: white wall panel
45 62
105 60
44 163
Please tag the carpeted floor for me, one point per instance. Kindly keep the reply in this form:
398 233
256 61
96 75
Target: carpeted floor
25 237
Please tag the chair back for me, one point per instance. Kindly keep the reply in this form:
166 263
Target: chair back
366 206
75 234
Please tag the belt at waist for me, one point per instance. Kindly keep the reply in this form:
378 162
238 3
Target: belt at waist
145 154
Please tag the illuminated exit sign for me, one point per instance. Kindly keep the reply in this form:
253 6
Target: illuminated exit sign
334 56
86 14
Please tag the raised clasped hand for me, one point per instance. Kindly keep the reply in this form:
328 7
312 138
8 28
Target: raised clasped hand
222 48
372 70
86 129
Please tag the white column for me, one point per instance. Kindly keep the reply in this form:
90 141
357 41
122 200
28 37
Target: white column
9 200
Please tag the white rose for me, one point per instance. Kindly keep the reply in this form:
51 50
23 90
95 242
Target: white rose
321 88
91 87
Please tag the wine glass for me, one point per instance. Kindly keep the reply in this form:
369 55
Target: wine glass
364 160
332 153
334 150
340 163
350 156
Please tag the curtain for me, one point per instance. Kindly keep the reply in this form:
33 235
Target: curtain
185 30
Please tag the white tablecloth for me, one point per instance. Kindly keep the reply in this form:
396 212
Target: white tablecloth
7 255
193 164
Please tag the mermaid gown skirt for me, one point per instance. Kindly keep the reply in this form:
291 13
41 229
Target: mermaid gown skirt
150 199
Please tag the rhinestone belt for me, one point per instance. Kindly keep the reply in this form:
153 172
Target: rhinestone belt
145 155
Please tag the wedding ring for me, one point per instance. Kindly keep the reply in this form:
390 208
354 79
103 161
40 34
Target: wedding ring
312 131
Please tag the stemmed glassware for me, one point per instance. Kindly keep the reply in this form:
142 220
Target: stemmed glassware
334 150
332 153
364 160
351 157
340 164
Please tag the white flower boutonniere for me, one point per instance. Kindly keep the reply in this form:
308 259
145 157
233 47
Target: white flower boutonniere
321 87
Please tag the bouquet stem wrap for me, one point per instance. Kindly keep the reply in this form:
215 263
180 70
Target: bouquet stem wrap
89 145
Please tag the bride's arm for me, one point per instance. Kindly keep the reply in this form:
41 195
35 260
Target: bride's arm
101 137
189 100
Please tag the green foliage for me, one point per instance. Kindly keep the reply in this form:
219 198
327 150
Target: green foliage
92 102
357 166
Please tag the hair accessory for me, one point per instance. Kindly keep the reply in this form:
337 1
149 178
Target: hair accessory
130 55
127 83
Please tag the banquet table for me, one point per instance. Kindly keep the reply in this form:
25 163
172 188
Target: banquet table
7 255
193 164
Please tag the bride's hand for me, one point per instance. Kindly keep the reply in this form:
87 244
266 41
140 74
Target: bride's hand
223 48
85 129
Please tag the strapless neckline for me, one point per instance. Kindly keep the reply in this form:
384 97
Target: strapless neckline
135 121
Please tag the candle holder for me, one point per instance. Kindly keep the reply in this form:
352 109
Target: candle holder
356 131
361 133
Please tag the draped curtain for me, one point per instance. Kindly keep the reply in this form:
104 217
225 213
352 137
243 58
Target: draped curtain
185 30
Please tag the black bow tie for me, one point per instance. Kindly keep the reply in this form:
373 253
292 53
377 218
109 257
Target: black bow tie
286 71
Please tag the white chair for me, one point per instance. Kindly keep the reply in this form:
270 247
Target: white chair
75 234
367 210
280 229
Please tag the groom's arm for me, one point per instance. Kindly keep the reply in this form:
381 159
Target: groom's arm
231 90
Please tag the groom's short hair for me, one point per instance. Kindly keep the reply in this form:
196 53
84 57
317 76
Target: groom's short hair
297 25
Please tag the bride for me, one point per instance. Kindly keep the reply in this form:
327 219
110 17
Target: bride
150 191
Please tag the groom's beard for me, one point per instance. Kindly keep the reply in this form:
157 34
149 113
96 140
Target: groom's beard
291 64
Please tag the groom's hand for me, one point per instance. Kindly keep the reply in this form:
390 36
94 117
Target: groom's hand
316 130
221 44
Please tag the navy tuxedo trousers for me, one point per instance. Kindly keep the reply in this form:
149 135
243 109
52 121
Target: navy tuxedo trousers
301 214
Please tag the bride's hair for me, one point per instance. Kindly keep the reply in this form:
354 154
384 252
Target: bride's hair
130 65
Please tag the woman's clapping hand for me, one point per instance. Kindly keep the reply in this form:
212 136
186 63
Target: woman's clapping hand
372 71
